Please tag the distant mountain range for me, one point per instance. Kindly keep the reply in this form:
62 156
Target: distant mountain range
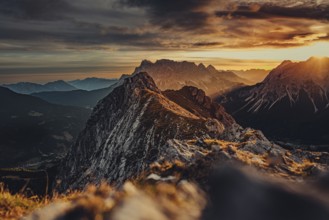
32 129
253 75
79 98
169 74
29 88
93 83
291 103
87 84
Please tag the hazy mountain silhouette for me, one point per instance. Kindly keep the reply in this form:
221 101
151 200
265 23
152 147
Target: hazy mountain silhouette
29 88
31 128
92 83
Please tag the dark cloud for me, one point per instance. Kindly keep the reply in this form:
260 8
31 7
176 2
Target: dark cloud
208 44
81 36
184 14
36 9
157 24
41 24
266 11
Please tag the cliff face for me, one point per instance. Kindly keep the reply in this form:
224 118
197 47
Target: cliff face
130 128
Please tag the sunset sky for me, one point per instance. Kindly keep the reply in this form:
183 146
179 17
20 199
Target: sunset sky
44 40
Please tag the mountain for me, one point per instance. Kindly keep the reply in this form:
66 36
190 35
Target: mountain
92 83
25 87
131 126
169 74
79 98
253 75
32 129
291 103
29 88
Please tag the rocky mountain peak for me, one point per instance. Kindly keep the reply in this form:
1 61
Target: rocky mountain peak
196 101
212 69
294 94
285 62
314 69
202 66
145 62
141 80
305 81
132 126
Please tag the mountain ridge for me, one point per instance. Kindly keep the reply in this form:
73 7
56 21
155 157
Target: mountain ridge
292 102
92 83
169 74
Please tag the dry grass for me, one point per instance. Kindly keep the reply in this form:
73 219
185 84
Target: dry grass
15 206
181 201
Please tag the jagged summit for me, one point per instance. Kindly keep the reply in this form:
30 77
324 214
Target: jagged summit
131 127
314 69
294 81
211 68
294 94
141 80
285 62
196 101
169 74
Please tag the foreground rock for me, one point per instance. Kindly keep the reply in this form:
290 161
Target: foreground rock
160 201
234 194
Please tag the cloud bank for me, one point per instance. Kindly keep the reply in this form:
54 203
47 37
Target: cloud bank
32 28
